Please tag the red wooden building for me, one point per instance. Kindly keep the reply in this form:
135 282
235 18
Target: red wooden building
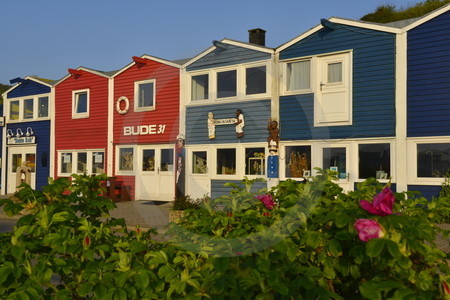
83 114
146 126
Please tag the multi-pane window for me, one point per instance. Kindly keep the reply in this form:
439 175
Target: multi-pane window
227 84
374 161
298 75
200 87
83 161
28 109
145 95
80 104
433 159
298 161
255 79
226 161
199 162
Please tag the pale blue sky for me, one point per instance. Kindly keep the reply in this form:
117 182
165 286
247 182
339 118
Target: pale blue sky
47 37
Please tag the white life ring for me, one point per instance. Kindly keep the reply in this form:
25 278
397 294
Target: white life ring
118 104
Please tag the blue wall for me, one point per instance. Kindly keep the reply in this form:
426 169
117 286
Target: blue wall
218 187
428 78
427 191
373 85
28 88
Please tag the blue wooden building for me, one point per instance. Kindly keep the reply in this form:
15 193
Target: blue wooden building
27 132
229 83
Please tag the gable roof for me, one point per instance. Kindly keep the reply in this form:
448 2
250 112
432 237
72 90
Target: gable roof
48 82
431 15
149 57
107 74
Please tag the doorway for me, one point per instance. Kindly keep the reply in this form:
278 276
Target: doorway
19 157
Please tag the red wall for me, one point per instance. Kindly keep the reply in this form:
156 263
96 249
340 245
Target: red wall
84 133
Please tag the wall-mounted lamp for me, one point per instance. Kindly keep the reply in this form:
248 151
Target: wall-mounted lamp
29 131
19 132
9 133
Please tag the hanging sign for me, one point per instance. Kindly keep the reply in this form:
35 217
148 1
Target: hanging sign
22 140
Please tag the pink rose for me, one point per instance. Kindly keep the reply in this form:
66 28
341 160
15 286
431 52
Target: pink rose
368 229
266 200
382 203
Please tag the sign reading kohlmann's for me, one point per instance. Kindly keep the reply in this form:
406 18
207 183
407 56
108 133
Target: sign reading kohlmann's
21 140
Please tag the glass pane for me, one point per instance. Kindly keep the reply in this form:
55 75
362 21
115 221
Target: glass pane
200 87
148 160
255 161
28 109
226 161
66 162
16 161
166 160
298 161
255 80
126 159
98 162
14 110
374 161
335 72
433 160
82 162
200 162
43 107
81 105
30 159
226 84
298 75
335 159
146 94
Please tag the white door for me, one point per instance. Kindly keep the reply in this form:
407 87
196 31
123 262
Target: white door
19 157
156 167
333 99
198 181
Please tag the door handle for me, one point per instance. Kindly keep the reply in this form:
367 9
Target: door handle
321 85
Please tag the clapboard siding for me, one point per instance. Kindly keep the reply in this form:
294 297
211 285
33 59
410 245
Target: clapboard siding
232 55
427 191
218 187
41 130
428 88
373 85
28 88
166 103
256 113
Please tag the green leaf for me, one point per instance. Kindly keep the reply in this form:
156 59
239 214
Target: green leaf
60 217
4 272
393 248
369 291
374 247
334 247
64 295
120 294
141 279
221 264
85 288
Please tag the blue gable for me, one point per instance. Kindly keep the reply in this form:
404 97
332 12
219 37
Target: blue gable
373 91
230 55
428 86
28 88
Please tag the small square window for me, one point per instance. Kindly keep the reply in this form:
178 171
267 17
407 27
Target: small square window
255 161
145 95
42 107
14 110
374 161
226 84
28 108
255 79
199 162
298 161
81 104
226 161
200 87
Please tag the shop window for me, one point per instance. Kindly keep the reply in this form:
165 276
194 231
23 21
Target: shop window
82 162
433 160
200 87
226 161
126 159
145 95
335 159
80 104
14 110
42 107
374 161
199 162
298 161
28 106
227 84
166 160
255 161
30 159
66 163
255 79
298 75
98 162
148 160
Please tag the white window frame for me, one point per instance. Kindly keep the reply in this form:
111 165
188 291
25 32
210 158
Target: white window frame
137 108
240 84
21 101
348 157
190 162
285 76
89 161
392 159
75 94
135 158
412 143
283 158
